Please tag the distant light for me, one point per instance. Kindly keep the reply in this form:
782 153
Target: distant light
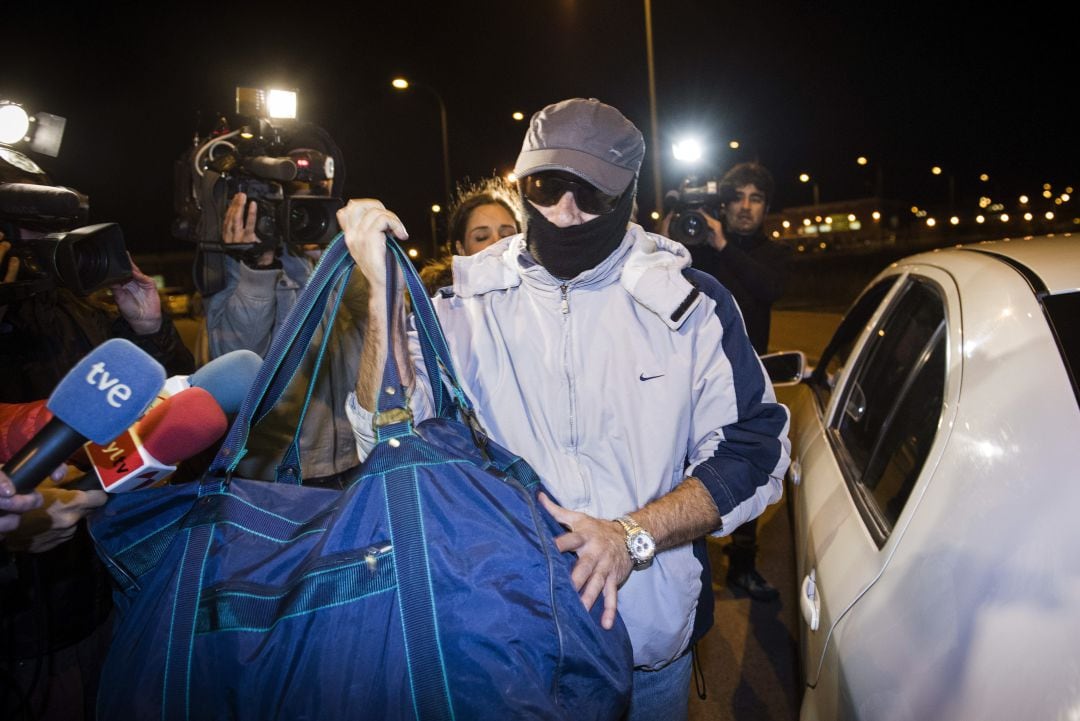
855 225
436 208
851 217
801 248
984 201
1047 194
954 220
1004 218
828 220
400 83
511 178
817 218
281 104
1068 190
687 150
980 219
518 115
1049 215
876 215
984 177
413 253
786 224
806 221
1023 200
1046 186
804 178
655 215
776 234
1028 216
14 123
930 222
1065 196
734 145
823 245
914 210
861 160
936 170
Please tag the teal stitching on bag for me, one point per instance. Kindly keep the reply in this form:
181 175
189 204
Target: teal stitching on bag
191 640
168 645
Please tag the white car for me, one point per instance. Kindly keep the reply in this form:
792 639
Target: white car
935 488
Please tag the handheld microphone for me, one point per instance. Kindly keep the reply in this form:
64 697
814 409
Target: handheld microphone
99 398
172 431
228 378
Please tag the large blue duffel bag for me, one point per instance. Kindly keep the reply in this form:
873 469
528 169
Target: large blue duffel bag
430 588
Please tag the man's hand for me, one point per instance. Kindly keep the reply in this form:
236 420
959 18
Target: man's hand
603 562
239 226
139 302
366 223
716 236
12 271
13 505
57 520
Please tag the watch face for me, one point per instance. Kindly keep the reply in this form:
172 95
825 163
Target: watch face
642 547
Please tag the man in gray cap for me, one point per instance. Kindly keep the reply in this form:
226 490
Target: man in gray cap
625 378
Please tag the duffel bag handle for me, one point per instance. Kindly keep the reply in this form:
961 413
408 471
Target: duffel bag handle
291 342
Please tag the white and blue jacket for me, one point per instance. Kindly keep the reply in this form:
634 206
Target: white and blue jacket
615 386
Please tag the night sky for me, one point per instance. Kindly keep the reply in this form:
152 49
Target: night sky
803 86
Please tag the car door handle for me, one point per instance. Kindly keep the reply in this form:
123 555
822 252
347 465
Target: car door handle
795 472
809 602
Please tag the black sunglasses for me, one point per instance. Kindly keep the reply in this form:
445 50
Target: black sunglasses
546 188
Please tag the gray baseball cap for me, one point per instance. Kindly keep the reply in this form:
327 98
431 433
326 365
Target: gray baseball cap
584 137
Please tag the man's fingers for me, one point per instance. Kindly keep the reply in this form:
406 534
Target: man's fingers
584 569
12 270
611 594
569 542
592 590
560 514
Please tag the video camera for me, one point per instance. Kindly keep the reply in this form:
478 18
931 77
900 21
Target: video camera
688 205
44 225
291 171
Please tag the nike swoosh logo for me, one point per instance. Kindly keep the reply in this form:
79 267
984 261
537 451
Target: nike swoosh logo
644 377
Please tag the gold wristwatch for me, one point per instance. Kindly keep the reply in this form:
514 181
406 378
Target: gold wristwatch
639 543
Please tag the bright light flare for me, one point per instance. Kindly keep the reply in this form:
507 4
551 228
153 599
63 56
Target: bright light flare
687 150
14 123
400 83
281 104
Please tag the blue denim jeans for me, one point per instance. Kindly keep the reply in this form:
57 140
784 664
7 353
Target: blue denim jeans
662 695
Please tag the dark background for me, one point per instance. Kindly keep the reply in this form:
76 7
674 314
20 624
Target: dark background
803 86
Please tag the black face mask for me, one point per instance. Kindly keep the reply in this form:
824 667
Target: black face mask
569 252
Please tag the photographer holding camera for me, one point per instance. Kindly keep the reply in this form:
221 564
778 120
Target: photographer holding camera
55 601
723 231
282 190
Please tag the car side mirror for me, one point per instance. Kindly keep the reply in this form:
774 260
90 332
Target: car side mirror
785 368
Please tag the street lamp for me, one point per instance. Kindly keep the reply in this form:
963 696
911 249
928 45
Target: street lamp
401 83
805 178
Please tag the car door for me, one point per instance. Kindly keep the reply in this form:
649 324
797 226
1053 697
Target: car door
877 396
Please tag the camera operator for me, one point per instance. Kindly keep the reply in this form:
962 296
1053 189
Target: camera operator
261 286
55 601
737 253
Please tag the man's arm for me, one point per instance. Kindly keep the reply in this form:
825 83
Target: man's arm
765 278
685 513
366 223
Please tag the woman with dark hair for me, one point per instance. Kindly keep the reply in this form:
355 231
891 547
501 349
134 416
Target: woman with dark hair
482 214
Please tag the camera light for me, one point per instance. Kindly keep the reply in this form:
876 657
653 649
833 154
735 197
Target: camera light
14 124
688 150
281 104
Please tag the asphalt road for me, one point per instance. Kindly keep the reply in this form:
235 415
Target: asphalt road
749 658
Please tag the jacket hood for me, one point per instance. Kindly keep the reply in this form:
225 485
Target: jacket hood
648 266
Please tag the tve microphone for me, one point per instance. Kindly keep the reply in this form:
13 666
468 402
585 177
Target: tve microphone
104 394
174 430
228 378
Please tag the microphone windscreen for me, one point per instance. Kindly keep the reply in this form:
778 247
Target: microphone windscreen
264 166
182 426
19 422
107 391
228 378
27 200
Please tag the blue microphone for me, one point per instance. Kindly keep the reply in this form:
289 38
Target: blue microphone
228 378
100 398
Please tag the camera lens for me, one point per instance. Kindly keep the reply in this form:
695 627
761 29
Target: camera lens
308 223
690 228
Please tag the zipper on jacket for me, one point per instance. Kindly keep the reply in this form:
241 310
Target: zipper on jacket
565 305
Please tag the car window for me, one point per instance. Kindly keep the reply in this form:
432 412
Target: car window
835 356
892 403
1063 312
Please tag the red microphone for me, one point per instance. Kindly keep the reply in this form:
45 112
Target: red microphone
175 429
